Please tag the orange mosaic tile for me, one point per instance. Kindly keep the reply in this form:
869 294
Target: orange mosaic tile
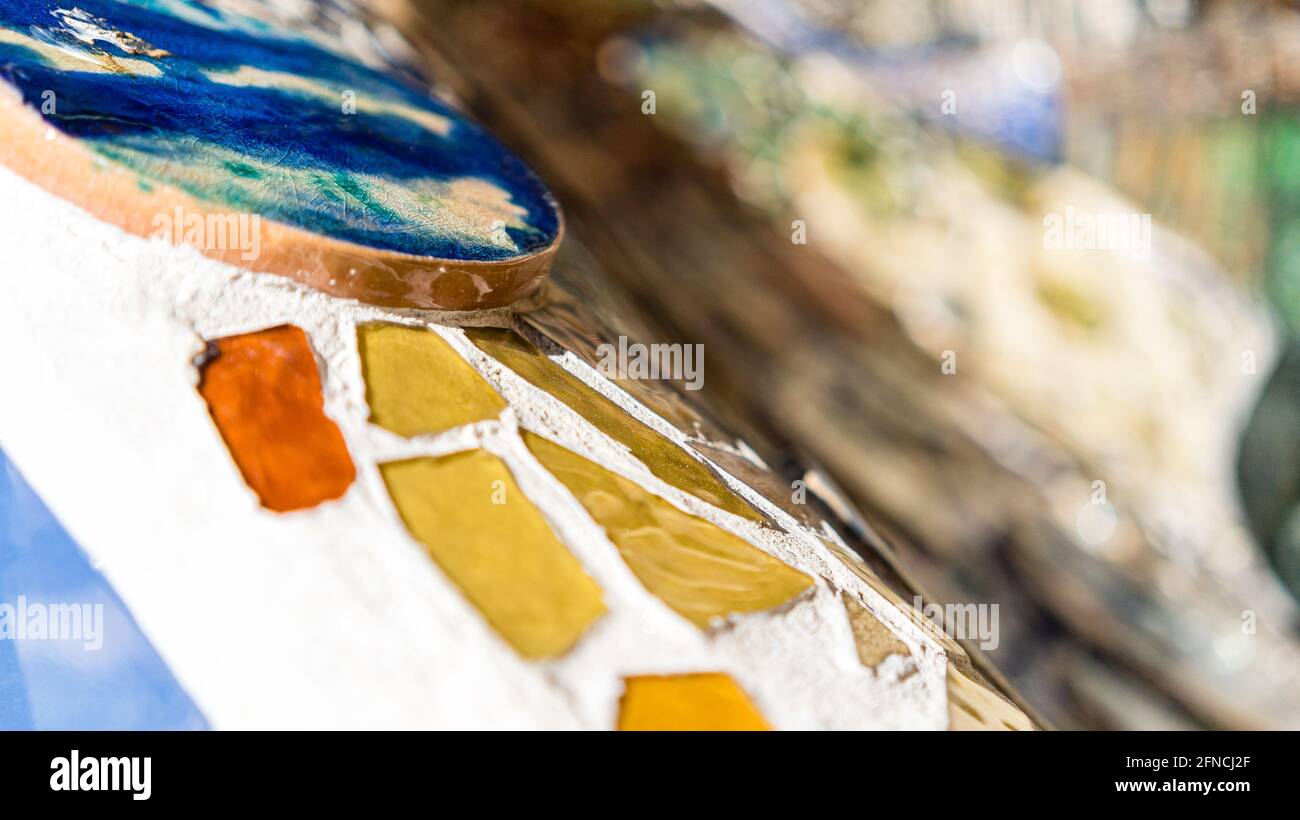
708 702
264 394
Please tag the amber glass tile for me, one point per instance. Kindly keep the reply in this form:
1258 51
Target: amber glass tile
264 394
494 544
661 456
416 383
703 702
698 569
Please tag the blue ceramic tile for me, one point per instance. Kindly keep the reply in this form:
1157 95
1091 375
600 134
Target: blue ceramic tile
68 683
256 119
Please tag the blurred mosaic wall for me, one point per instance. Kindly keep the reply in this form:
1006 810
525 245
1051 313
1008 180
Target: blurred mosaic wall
874 215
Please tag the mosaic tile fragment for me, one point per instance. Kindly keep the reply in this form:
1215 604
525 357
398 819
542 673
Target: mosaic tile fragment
762 479
475 522
972 707
969 701
874 641
698 569
701 702
264 394
662 457
855 565
417 384
577 317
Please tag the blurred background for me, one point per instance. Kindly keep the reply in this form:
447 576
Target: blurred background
874 215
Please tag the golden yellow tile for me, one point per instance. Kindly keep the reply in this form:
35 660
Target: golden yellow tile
416 383
698 569
874 640
661 456
703 702
494 544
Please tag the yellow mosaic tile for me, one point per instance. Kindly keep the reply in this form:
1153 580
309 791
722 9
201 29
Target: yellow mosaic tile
704 702
488 537
698 569
416 383
661 456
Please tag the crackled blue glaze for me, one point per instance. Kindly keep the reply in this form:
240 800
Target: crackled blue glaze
255 118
